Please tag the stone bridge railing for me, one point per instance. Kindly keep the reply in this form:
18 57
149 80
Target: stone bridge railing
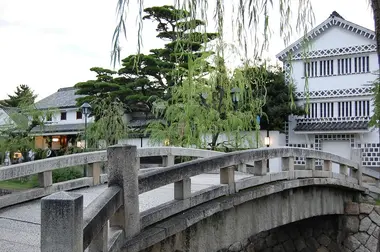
113 220
96 174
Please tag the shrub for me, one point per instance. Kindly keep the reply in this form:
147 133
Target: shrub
66 174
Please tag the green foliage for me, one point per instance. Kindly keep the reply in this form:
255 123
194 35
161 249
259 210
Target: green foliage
97 89
204 108
22 97
144 78
277 95
250 27
66 174
110 125
375 119
20 183
15 134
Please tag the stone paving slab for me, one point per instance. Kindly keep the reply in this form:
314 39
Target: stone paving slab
20 224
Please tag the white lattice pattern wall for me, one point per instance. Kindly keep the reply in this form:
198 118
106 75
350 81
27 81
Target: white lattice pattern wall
300 160
371 154
362 91
335 52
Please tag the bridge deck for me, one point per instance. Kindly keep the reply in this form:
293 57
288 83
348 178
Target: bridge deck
20 224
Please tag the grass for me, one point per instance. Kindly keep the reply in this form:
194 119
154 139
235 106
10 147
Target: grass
378 202
60 175
18 184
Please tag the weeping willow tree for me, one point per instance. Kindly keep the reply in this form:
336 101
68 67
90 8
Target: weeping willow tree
109 125
204 106
203 109
375 119
15 134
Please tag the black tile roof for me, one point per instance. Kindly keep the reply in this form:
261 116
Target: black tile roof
58 128
63 98
141 122
332 126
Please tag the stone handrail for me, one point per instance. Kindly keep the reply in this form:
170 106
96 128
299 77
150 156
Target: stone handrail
154 179
94 161
99 212
119 205
54 163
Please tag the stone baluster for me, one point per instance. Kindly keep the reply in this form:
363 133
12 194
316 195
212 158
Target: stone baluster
343 169
123 170
94 170
227 176
327 165
62 222
168 160
287 164
100 242
260 167
310 164
45 179
356 156
242 168
182 189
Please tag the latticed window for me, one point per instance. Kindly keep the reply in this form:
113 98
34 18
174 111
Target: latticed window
319 68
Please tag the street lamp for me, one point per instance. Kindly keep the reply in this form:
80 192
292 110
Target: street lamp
267 143
86 108
235 96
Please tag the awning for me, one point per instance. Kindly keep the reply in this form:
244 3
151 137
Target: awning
58 129
334 127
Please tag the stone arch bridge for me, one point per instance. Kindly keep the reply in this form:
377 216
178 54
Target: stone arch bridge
214 202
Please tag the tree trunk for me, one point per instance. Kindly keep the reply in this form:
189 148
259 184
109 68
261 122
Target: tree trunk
214 141
376 16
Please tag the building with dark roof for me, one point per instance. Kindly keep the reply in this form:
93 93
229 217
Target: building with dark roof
336 66
63 123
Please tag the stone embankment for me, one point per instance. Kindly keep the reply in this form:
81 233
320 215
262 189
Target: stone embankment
314 234
362 227
356 231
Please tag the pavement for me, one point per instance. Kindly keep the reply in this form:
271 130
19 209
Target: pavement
20 224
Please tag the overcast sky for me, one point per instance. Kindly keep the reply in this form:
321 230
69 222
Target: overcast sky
49 44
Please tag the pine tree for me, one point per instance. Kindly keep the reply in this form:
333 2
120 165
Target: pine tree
23 96
151 75
145 78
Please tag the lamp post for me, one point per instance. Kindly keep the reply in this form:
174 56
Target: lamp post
378 132
257 131
267 143
235 96
86 108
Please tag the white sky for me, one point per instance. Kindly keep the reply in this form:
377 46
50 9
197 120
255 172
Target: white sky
49 44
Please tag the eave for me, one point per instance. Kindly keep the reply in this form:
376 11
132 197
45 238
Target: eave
318 30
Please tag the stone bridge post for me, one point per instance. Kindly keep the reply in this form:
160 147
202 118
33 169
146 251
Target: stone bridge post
62 222
356 156
123 170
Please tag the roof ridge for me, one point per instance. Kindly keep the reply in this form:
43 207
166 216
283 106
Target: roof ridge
335 19
335 14
66 89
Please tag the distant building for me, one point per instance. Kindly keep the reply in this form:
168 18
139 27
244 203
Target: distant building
66 122
11 118
340 62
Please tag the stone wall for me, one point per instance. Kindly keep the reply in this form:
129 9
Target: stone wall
315 234
362 227
356 231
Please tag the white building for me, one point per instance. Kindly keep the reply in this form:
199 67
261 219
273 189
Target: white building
65 123
340 60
